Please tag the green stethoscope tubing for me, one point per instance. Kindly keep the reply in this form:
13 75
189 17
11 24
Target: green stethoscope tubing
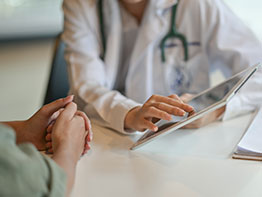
102 29
173 33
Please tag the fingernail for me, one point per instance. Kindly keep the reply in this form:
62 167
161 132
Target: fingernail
182 112
71 97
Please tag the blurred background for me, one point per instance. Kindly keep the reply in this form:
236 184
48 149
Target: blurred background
28 29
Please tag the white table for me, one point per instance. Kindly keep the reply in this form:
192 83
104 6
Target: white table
183 163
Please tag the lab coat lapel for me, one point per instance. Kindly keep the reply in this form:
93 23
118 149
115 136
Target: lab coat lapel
114 37
153 27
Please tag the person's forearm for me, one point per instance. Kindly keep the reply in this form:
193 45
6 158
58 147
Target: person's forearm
67 162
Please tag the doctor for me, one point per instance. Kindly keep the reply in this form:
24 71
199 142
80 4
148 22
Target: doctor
120 53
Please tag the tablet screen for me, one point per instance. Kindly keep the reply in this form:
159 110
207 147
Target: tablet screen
213 95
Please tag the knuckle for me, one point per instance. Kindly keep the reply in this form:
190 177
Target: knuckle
153 97
158 105
79 118
150 109
60 100
146 105
176 110
164 114
173 96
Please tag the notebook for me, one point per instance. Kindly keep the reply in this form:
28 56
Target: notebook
250 146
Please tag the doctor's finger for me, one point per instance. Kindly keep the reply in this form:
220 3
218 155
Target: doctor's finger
154 112
175 103
146 124
170 109
174 96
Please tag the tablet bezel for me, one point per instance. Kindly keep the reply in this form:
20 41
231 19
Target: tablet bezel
153 135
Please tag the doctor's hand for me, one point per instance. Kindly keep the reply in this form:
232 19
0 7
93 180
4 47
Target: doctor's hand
155 108
206 119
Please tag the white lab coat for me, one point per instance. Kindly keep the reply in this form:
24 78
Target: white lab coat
221 41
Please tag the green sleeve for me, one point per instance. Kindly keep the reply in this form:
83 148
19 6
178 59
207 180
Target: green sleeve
26 172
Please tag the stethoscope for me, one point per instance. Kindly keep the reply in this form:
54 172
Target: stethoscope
173 33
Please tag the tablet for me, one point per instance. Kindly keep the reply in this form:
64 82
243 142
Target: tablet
203 103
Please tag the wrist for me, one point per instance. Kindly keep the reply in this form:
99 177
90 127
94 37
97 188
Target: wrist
17 126
20 130
66 148
66 152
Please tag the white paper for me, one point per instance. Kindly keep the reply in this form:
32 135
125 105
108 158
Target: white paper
252 140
